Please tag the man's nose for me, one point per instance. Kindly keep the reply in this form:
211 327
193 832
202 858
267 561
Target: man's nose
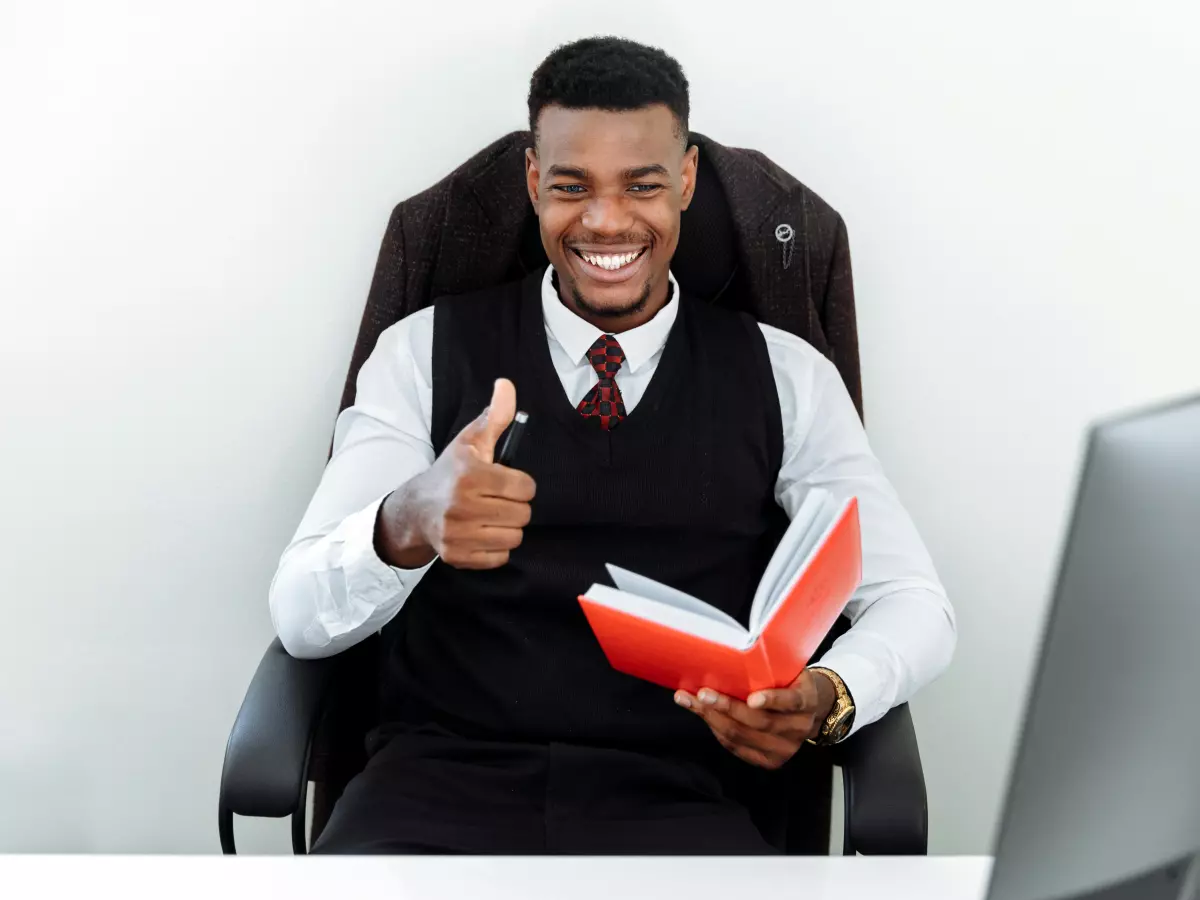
607 215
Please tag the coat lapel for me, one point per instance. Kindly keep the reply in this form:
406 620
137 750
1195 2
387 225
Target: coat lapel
766 203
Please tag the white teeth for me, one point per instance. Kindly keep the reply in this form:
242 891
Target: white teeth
611 262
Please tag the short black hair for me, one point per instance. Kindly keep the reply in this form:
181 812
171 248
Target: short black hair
609 73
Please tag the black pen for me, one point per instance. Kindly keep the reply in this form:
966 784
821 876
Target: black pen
509 450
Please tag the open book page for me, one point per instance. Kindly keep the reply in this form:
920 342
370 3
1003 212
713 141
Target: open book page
641 586
805 529
648 599
810 539
688 620
666 637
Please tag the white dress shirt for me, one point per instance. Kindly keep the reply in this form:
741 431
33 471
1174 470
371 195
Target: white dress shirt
332 590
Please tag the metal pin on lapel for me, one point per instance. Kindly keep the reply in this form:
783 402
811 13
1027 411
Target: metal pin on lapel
786 235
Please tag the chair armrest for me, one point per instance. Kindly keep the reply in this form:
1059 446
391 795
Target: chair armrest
886 807
266 758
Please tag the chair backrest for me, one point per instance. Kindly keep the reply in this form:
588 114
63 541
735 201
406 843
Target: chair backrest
475 229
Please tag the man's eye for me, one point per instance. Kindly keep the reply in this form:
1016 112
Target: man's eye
569 188
645 188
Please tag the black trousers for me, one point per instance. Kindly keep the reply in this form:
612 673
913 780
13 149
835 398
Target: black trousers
427 791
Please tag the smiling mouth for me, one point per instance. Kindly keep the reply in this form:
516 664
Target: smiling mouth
612 262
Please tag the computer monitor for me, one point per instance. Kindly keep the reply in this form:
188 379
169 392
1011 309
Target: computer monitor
1104 800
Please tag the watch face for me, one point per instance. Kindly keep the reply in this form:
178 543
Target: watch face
841 725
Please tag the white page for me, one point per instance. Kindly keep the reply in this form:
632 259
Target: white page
786 556
648 588
685 620
814 539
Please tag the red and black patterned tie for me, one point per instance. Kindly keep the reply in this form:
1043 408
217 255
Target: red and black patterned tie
604 400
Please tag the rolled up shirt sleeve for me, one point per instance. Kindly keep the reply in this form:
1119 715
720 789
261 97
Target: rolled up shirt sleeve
332 592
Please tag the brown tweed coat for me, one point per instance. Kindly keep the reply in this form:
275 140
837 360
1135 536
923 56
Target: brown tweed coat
473 230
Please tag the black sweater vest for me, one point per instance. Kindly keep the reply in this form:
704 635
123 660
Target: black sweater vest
681 491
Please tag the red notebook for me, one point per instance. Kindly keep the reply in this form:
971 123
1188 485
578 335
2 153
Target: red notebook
678 641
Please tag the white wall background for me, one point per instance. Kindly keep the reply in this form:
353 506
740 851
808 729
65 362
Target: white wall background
193 196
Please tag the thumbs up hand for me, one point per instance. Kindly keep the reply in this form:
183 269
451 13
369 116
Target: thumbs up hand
482 434
465 508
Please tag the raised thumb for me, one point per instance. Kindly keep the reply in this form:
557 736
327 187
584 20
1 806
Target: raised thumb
485 431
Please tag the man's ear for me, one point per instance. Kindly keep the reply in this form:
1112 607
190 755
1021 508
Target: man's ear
691 158
532 176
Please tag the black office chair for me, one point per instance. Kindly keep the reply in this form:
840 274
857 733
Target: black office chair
305 721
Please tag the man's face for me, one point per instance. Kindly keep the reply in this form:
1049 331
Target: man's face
608 188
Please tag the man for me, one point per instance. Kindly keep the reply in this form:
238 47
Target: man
666 436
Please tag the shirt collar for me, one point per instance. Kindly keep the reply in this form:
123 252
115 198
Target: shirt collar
575 334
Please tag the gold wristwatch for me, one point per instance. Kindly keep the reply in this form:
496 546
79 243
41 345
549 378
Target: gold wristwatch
841 717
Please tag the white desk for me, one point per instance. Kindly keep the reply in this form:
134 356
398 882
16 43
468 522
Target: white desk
477 878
